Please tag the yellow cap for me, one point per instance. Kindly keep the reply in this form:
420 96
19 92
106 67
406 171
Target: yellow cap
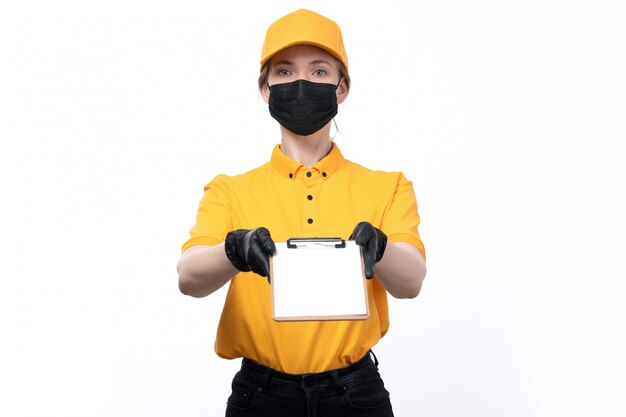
304 27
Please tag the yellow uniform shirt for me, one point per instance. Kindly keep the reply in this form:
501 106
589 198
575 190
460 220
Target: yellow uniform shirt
291 200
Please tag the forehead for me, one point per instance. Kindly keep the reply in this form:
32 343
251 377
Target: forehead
302 54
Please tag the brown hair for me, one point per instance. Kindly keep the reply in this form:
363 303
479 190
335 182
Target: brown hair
264 75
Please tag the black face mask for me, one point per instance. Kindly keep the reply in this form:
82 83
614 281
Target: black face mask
302 106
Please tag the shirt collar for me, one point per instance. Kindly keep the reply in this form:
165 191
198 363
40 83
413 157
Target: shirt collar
289 168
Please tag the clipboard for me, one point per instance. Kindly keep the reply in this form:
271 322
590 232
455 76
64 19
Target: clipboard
318 279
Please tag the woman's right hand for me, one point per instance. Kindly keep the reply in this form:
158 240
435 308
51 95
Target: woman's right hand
249 250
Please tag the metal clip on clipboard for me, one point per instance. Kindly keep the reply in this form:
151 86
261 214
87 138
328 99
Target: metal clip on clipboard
304 242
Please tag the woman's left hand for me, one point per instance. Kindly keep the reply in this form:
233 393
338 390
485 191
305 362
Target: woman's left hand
373 242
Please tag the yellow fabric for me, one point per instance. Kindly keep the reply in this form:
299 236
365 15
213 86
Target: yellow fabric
304 27
342 194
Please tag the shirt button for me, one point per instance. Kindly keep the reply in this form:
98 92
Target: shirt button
308 174
309 197
323 174
310 221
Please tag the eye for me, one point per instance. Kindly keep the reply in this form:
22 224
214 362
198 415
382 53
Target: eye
319 72
283 72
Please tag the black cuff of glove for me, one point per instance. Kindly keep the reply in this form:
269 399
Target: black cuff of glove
230 247
382 244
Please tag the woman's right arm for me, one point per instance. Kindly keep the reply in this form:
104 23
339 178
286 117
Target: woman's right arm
203 270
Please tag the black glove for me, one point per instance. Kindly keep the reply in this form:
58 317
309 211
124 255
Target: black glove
373 242
249 250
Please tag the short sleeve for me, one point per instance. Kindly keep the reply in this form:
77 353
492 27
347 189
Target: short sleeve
400 222
214 218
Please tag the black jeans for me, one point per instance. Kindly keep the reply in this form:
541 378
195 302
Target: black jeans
354 390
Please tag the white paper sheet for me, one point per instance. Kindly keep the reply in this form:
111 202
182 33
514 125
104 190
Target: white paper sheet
318 282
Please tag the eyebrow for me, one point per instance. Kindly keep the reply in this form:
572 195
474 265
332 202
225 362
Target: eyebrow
314 62
319 61
283 62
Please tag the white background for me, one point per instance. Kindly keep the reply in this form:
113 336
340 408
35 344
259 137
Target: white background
507 116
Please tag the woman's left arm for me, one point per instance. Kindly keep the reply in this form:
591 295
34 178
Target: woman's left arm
401 270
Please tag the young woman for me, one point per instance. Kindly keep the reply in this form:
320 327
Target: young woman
307 189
